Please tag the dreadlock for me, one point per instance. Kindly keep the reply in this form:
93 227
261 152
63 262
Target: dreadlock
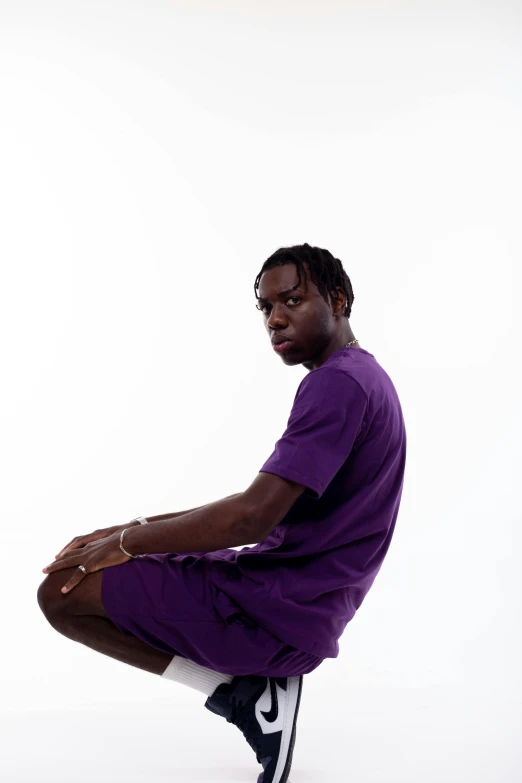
326 271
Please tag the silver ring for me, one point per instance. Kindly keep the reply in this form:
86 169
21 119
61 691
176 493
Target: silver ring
83 569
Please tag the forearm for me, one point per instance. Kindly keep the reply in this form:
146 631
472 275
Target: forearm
220 525
174 515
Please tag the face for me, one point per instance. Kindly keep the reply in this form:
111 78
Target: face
302 316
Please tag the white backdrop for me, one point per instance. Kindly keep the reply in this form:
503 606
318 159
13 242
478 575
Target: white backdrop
152 156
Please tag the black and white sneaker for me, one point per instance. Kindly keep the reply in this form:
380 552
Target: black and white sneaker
265 710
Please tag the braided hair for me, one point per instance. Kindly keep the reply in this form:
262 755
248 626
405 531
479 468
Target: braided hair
326 271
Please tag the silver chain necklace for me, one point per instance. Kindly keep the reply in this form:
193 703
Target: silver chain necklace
353 341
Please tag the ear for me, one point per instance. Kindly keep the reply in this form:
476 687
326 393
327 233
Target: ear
339 304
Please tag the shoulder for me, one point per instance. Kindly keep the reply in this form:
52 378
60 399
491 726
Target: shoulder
327 383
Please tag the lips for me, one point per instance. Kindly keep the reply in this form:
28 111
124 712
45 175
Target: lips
286 345
280 339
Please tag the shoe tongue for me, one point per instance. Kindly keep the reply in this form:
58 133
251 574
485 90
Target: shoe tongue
242 688
219 704
247 687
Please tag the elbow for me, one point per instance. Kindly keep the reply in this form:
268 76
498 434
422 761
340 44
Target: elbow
250 527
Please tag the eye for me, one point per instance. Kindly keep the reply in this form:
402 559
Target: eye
262 308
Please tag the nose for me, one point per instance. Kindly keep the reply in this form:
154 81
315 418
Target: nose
275 318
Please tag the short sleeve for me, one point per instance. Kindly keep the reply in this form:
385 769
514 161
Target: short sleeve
326 417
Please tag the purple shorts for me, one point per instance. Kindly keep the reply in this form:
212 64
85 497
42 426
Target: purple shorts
167 601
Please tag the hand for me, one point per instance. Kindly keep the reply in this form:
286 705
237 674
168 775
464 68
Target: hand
93 556
80 541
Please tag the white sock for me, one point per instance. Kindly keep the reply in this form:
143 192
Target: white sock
195 676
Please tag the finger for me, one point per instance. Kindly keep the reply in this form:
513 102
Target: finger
75 579
74 543
67 551
81 541
66 547
64 562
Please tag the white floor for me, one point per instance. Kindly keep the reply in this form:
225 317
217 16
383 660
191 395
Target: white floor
355 734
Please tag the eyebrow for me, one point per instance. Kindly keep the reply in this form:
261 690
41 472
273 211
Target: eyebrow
296 287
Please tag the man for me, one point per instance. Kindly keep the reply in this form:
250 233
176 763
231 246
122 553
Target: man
170 596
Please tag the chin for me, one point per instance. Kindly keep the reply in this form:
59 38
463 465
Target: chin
290 360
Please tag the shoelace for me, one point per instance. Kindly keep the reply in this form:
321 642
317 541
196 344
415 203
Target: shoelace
247 723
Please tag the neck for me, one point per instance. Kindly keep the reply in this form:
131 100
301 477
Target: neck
348 338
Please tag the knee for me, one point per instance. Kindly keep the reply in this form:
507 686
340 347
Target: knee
48 596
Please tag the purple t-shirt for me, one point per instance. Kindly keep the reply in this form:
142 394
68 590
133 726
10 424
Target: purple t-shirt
346 442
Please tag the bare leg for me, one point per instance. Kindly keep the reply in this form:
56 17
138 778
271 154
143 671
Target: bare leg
80 616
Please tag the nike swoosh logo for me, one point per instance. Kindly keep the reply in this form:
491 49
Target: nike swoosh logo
271 715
